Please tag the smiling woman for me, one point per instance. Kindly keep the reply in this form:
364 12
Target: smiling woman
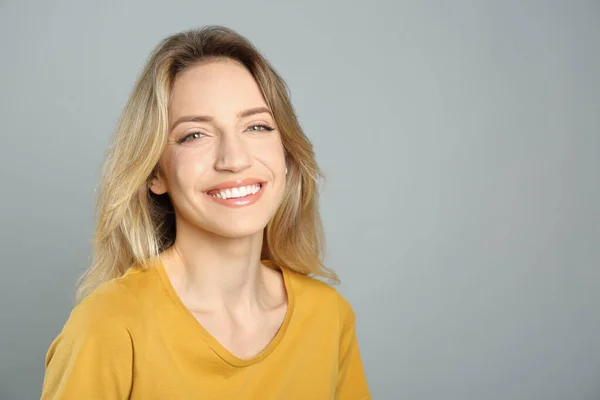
207 245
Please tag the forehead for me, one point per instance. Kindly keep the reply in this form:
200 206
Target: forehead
215 88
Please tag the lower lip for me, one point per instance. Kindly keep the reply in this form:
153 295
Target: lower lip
240 201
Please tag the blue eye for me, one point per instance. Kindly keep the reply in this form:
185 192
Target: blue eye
191 136
199 135
263 128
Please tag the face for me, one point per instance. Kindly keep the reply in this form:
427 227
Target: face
224 165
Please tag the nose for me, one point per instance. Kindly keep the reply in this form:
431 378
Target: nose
233 154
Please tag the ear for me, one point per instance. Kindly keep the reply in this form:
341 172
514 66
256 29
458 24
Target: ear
156 182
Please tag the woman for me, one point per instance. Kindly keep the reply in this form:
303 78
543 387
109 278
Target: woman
207 232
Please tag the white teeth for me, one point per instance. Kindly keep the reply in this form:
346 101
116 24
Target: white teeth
237 192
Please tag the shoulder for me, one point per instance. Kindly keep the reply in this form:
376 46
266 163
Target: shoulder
327 298
92 356
309 286
107 307
112 305
108 318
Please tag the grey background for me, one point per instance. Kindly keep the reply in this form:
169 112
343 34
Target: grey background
460 142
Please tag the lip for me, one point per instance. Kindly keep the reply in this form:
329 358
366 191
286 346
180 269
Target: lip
240 201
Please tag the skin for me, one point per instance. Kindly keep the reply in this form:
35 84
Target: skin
215 264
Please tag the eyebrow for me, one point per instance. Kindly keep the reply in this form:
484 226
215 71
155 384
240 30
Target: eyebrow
204 118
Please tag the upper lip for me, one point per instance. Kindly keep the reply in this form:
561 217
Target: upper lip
237 183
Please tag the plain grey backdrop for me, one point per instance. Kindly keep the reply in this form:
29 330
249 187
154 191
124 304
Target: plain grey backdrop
461 146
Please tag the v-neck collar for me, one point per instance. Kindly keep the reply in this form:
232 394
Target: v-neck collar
212 342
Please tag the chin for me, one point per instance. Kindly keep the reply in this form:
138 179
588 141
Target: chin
237 229
237 233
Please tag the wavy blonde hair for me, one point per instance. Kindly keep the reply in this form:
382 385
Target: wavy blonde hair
133 225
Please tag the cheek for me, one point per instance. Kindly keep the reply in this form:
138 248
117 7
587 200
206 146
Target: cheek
271 153
186 167
273 157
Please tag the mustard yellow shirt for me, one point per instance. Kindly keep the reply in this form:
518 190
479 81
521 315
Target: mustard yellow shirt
133 338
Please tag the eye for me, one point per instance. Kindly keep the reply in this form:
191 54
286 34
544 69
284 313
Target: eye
191 136
260 127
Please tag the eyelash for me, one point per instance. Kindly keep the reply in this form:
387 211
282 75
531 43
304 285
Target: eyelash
189 136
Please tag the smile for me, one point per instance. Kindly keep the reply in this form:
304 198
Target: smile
237 193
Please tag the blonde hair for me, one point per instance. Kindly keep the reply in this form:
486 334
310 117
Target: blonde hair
133 225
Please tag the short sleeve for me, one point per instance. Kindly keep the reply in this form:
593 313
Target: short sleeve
352 382
92 357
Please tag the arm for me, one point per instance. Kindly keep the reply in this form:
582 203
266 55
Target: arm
91 358
352 382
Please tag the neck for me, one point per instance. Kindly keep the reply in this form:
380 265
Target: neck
210 271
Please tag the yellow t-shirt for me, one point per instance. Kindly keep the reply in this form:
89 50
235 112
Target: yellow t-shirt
133 338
